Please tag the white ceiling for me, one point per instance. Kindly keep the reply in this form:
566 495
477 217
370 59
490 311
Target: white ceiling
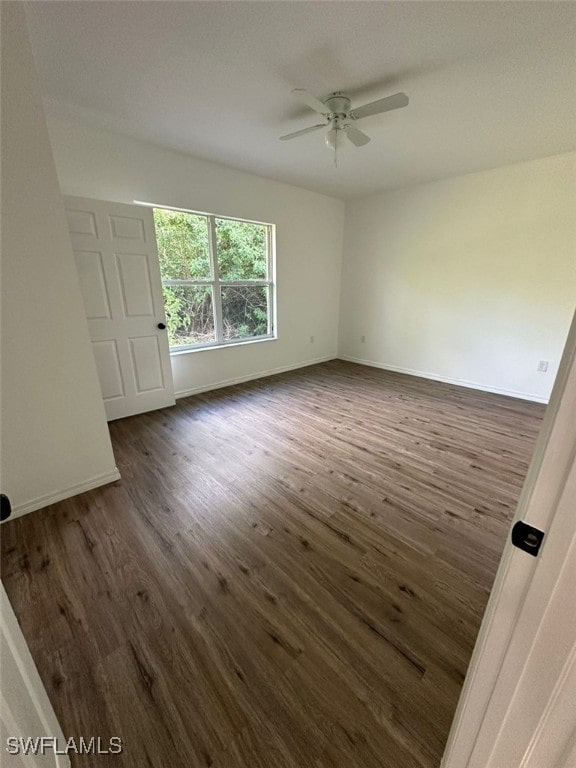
490 83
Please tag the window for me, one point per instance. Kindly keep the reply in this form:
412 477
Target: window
216 278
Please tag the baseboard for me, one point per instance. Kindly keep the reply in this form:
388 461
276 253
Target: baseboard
51 498
446 379
252 377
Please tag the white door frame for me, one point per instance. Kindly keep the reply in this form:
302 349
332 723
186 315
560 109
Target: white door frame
546 480
25 709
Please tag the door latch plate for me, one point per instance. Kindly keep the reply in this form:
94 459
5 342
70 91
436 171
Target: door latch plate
527 538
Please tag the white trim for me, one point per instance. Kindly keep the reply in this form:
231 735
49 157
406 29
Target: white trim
252 376
234 283
200 213
51 498
446 379
216 288
219 345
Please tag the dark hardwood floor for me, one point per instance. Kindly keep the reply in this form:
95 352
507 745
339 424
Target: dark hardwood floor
290 574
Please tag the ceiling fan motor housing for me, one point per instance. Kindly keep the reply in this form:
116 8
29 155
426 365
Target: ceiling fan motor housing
338 105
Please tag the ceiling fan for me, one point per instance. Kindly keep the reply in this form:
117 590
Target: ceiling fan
340 118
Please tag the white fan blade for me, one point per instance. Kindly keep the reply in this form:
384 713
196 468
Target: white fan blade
396 101
311 101
356 136
302 132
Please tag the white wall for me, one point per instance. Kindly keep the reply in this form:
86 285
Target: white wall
54 434
94 163
470 280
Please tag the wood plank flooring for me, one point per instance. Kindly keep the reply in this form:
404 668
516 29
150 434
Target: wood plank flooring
290 574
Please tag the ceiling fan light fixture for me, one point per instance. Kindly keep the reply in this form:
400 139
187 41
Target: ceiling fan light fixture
334 138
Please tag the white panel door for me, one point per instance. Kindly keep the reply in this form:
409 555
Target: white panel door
518 704
25 709
117 260
531 719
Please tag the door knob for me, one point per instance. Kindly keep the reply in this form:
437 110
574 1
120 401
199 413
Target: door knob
5 507
162 326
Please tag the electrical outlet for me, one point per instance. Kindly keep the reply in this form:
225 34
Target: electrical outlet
542 366
311 339
363 339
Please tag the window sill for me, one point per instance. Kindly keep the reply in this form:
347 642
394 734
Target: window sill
175 352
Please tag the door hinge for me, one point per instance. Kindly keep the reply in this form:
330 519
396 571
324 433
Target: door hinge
527 538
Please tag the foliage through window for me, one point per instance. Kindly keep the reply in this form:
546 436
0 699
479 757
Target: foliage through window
216 278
